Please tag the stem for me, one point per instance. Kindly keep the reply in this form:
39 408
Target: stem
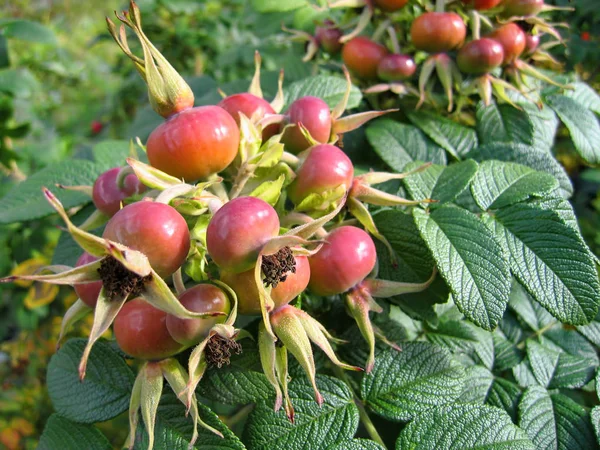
440 5
475 24
178 282
290 160
241 179
362 412
394 40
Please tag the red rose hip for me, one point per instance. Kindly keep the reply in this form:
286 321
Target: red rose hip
396 67
436 32
326 167
512 39
480 56
522 7
314 114
390 5
361 56
88 292
345 259
107 195
200 298
155 229
252 107
194 143
238 230
141 331
328 37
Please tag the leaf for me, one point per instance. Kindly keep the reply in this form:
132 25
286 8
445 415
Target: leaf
532 157
269 6
554 369
234 385
478 381
563 208
595 417
413 263
582 125
111 153
470 260
329 88
314 427
456 139
506 395
25 200
503 123
19 82
585 95
103 394
66 435
591 331
404 384
506 354
440 183
398 144
532 313
498 184
27 30
356 444
550 260
173 429
554 421
463 426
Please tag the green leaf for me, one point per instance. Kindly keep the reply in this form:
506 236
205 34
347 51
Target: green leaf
103 394
478 381
268 6
456 139
532 157
595 417
413 263
554 369
581 123
550 260
111 153
506 354
27 30
503 123
470 260
314 427
591 331
66 435
583 94
25 200
506 395
19 82
404 384
329 88
356 444
173 429
463 426
440 183
234 385
398 144
532 313
498 184
554 421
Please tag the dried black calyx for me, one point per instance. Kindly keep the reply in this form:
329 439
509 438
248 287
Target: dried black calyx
276 267
219 349
118 281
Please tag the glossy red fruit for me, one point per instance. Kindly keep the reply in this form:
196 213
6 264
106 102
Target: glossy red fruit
345 259
513 41
314 114
522 7
155 229
200 298
326 167
482 5
88 293
245 288
328 36
390 5
195 143
362 56
141 331
532 42
480 56
252 107
107 195
396 67
96 127
237 232
437 32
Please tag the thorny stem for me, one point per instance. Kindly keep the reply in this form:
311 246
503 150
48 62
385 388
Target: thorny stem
362 412
242 177
440 5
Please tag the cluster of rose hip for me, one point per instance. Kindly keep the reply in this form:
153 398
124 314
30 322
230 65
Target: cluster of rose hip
242 200
441 34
